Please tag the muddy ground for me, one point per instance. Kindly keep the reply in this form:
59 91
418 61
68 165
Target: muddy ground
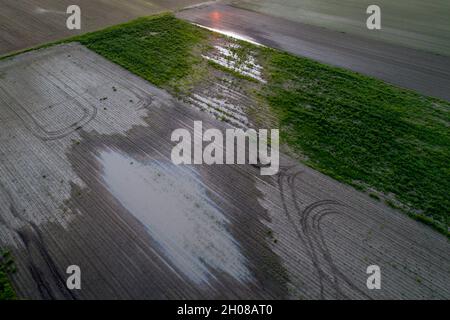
27 23
86 179
402 66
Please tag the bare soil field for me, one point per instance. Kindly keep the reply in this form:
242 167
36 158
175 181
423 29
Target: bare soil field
27 23
86 179
400 65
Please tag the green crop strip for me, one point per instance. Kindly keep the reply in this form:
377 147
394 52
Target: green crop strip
157 48
390 142
6 268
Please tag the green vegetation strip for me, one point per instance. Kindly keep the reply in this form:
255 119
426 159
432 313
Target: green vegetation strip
6 268
390 142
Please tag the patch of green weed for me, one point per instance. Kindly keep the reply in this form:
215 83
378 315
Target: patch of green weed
6 268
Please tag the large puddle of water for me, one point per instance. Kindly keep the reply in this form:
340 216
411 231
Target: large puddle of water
189 228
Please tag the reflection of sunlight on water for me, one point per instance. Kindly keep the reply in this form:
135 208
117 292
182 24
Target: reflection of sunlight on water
40 10
189 228
231 34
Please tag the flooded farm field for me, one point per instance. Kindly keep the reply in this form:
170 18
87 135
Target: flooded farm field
25 24
86 179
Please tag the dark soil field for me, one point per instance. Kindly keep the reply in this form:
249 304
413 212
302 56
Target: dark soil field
27 23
